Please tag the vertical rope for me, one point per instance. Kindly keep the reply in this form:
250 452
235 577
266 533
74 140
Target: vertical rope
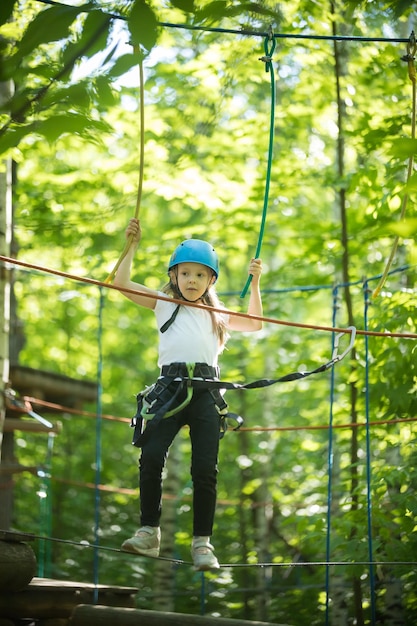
330 461
98 446
366 292
141 163
269 47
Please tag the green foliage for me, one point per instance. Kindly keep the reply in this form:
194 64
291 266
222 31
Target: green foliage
51 24
206 135
6 10
142 25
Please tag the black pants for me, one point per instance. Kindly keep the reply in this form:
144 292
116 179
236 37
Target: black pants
204 422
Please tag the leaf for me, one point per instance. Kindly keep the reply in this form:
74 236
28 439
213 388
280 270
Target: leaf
6 10
49 25
104 92
110 54
401 7
404 228
403 148
122 65
411 183
143 25
56 125
220 8
76 95
95 33
93 39
184 5
13 136
214 10
256 8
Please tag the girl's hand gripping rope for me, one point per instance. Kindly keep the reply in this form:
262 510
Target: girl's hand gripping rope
134 231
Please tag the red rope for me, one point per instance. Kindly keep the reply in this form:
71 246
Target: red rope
270 320
114 418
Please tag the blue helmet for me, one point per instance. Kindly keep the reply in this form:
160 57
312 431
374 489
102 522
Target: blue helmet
195 251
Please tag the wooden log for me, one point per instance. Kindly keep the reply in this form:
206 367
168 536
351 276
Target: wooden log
7 469
86 615
32 426
52 599
17 565
15 535
52 386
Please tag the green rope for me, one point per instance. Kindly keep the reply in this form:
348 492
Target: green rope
269 47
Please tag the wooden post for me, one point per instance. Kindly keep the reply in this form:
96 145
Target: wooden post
85 615
17 565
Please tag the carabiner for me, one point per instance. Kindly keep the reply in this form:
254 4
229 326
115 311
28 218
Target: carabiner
338 357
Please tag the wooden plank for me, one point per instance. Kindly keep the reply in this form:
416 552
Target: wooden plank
85 615
24 425
8 468
45 598
52 386
50 583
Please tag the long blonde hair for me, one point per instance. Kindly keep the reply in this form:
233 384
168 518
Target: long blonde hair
209 298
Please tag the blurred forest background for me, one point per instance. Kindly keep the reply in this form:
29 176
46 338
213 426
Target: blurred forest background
291 489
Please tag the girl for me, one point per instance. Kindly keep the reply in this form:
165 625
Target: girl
187 335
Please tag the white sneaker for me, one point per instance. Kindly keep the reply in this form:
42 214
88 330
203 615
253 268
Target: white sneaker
146 541
203 555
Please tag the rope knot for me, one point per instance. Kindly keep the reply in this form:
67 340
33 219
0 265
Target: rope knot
409 57
269 47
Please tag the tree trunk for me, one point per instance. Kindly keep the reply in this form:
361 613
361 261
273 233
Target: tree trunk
5 240
341 70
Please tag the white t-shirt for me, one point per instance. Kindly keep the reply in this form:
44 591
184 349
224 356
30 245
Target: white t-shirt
190 339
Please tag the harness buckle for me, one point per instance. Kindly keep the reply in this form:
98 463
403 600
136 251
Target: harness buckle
190 372
338 357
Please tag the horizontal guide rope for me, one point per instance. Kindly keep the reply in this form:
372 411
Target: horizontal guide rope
245 31
86 544
270 320
115 418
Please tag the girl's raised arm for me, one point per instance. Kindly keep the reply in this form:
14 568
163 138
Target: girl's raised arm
245 324
122 277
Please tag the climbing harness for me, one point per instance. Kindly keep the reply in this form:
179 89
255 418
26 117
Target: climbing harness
409 58
172 392
269 47
157 402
